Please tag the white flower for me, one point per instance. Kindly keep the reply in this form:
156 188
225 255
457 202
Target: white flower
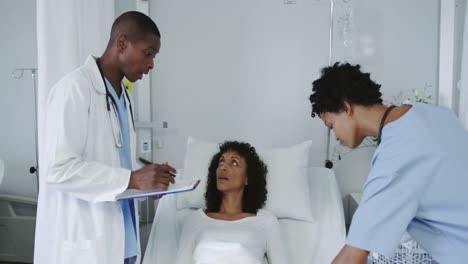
387 103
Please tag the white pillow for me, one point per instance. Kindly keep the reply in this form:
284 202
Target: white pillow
287 183
198 156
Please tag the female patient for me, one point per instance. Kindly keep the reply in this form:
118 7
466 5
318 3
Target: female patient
234 228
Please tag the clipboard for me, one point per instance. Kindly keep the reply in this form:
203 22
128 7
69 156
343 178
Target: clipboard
178 187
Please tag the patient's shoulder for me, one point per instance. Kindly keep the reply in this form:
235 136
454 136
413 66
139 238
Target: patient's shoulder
268 220
199 213
193 216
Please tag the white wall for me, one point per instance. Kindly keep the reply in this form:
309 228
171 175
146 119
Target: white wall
122 6
460 10
238 70
243 69
17 137
397 42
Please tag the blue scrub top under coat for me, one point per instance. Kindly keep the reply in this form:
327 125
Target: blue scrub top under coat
128 209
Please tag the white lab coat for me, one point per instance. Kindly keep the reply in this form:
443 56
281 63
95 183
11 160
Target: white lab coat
78 219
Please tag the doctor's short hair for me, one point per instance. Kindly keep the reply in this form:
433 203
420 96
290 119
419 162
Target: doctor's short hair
135 25
255 192
340 83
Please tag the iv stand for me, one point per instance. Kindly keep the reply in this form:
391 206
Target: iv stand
18 74
328 162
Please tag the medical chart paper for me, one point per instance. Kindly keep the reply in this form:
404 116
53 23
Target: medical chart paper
178 187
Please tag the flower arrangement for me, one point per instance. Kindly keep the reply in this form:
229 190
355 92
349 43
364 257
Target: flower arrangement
418 97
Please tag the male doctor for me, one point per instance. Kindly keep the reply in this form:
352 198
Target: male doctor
419 172
90 153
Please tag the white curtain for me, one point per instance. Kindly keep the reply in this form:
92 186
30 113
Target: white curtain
67 32
463 104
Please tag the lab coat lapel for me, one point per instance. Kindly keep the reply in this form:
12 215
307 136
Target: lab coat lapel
95 75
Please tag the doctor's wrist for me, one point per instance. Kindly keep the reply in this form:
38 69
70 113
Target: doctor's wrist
132 183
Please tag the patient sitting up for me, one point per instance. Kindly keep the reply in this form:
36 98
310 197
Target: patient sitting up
234 228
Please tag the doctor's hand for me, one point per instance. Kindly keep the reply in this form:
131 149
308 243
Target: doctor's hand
152 177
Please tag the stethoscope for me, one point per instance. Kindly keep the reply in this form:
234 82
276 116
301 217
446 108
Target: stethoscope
117 138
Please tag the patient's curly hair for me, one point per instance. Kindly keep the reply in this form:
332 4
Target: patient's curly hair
340 83
255 193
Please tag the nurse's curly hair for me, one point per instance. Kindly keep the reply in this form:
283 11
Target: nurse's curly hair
255 192
340 83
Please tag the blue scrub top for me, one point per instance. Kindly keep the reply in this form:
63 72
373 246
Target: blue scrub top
417 183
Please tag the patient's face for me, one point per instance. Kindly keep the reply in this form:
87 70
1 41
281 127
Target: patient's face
231 175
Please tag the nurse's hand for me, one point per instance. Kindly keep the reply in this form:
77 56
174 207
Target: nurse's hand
351 255
152 177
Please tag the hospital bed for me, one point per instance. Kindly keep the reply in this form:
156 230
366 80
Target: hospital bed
17 225
315 242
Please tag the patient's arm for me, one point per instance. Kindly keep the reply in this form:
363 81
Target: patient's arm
276 251
351 255
186 240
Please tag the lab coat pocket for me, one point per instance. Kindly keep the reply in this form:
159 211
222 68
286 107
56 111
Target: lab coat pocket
83 251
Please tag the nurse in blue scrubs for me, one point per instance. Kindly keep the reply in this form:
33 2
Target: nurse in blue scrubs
418 178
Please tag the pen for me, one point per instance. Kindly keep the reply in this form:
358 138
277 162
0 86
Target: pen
147 162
